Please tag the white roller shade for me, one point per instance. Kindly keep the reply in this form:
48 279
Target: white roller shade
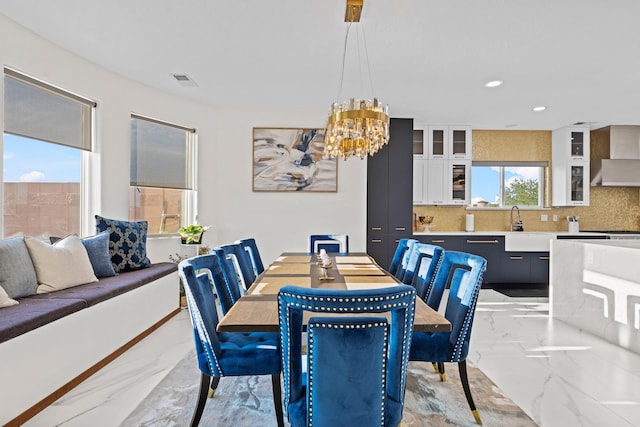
160 154
36 110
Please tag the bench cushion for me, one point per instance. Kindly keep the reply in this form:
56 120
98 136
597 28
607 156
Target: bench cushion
37 310
109 287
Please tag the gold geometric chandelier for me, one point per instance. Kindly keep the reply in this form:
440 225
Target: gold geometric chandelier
357 127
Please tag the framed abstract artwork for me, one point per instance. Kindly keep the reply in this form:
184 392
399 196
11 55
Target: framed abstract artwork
290 159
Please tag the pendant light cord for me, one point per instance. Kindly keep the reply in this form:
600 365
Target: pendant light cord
344 58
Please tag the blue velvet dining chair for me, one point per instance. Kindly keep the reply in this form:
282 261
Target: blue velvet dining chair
356 364
332 243
462 272
401 248
251 247
226 283
422 266
404 261
241 261
222 354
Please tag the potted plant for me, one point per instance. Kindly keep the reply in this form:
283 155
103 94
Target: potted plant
192 234
202 250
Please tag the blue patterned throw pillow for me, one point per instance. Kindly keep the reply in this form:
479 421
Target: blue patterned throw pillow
127 243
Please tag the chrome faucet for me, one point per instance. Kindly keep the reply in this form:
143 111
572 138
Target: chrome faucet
515 226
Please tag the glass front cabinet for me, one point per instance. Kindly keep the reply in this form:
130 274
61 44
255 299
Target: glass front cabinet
419 145
449 142
458 188
578 179
570 166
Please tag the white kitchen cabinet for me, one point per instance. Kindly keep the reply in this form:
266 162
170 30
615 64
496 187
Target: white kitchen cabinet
441 142
418 181
570 152
441 182
571 143
448 142
571 184
435 182
419 145
437 142
442 165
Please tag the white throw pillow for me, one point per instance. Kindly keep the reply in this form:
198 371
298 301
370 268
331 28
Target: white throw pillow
61 265
5 301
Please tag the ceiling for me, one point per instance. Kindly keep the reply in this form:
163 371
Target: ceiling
429 59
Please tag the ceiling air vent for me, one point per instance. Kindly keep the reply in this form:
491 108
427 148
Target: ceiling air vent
184 80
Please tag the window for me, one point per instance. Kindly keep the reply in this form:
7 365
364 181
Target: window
506 184
162 174
47 140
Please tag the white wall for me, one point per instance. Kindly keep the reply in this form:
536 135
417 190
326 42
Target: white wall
278 221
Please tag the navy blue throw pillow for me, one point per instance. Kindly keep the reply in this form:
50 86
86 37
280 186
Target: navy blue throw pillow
127 243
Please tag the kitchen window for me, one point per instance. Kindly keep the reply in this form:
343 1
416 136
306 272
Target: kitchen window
506 184
162 174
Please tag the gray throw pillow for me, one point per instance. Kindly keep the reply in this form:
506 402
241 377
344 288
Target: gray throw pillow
17 274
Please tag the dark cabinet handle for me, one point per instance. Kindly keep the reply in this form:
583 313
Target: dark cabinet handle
400 228
482 241
376 240
437 241
376 228
516 257
544 258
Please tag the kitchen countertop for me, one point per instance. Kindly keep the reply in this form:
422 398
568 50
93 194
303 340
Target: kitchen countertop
595 286
533 241
504 233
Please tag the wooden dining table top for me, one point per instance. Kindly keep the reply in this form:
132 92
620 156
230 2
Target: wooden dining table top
257 309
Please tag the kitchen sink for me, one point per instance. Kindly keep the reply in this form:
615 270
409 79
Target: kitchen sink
527 241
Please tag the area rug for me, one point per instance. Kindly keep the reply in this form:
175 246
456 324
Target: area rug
247 401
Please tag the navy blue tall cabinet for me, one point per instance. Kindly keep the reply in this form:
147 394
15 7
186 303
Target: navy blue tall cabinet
390 192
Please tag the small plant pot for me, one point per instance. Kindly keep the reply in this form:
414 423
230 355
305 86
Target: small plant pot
192 239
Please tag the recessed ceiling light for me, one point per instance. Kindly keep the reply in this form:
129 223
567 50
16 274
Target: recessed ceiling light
539 108
493 83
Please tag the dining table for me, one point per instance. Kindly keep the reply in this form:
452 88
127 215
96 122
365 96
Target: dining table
257 309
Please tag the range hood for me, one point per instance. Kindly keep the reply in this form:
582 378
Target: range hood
622 168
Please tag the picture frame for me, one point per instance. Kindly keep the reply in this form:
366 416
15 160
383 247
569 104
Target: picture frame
291 159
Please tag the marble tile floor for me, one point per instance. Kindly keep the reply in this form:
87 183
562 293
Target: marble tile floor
558 375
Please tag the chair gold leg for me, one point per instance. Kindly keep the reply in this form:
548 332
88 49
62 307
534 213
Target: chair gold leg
214 385
443 376
435 366
476 415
